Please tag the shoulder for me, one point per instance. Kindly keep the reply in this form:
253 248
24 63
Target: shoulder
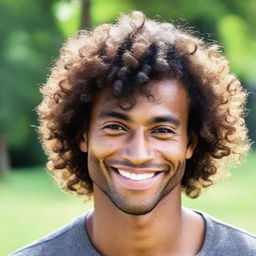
224 239
70 238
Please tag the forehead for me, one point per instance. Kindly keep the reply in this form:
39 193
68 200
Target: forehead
167 96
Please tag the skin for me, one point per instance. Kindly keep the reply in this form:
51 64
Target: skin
145 217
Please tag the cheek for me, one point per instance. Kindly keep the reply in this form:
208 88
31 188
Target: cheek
100 148
173 151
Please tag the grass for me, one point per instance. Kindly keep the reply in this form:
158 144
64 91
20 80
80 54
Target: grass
232 200
32 206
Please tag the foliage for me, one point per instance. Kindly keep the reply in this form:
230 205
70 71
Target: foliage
31 40
33 32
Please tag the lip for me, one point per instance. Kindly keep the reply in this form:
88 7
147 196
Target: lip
138 185
137 170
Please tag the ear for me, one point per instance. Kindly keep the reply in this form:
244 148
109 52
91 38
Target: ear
83 143
192 143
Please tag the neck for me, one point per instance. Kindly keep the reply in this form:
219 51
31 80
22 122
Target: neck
159 232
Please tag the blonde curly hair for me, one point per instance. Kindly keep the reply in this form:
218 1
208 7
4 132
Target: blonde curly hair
125 56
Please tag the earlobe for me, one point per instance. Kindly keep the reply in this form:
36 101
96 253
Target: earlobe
83 143
192 143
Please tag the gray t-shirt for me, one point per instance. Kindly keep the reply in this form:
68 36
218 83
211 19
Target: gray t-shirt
221 239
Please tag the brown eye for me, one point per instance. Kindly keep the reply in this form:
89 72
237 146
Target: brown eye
162 130
114 127
114 130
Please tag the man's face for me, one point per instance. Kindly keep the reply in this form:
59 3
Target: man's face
137 156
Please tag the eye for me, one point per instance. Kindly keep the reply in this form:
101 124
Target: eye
162 130
114 129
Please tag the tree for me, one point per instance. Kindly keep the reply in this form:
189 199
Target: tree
31 42
85 14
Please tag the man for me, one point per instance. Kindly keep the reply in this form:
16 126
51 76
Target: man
135 113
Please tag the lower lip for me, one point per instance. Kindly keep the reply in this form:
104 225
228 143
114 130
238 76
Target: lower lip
136 184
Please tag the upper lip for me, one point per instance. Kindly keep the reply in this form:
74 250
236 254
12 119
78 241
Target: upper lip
138 170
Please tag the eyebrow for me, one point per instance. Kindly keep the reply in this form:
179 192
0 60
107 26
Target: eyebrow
115 114
165 119
159 119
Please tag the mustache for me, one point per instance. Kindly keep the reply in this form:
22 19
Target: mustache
131 165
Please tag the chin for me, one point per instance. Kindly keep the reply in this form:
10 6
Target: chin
134 207
135 211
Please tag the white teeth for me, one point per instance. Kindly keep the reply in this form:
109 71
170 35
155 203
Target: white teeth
133 176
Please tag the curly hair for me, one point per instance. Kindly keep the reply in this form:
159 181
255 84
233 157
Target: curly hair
126 56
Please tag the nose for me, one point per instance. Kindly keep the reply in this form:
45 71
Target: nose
138 150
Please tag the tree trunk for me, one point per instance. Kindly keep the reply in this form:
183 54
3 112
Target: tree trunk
85 16
4 157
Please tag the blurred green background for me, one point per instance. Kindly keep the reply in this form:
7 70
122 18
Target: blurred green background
32 31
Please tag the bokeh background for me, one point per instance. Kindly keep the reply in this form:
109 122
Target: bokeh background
32 31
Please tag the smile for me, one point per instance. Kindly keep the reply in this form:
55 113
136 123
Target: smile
134 176
136 179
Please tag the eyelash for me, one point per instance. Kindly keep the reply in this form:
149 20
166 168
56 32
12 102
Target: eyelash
161 130
114 127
